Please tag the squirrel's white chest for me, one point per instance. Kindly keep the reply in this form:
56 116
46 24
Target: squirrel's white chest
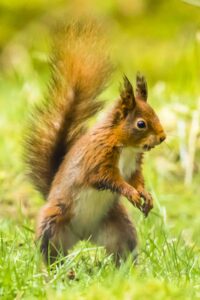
127 162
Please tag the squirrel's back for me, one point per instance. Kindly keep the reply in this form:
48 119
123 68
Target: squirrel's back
80 70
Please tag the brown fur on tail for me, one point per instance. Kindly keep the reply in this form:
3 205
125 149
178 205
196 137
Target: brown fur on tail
80 70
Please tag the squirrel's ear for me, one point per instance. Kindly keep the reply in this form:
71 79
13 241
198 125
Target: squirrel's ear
127 95
141 87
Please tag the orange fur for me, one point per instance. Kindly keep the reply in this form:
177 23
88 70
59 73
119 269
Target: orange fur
77 170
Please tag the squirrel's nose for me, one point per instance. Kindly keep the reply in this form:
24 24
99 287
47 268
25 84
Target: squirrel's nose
162 138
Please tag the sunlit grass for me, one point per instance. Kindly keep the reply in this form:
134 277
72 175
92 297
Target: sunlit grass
166 266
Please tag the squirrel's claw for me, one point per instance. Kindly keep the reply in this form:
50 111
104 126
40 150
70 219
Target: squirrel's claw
148 202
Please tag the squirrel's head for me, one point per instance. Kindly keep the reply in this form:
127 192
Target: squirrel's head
139 124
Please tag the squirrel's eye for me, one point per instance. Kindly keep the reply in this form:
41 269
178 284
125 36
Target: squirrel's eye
141 124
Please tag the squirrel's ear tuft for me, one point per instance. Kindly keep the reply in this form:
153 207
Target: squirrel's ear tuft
141 87
127 95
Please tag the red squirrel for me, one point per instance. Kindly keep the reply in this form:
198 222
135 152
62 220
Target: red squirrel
81 171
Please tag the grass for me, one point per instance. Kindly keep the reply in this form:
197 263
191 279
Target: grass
167 268
164 44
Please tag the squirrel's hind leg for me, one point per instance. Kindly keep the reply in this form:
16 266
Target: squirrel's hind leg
117 234
53 231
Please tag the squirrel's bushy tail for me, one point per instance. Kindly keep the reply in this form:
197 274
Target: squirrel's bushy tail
80 70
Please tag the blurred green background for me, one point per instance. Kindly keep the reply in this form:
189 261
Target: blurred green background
162 40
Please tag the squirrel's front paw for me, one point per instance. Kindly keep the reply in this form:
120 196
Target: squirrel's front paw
135 199
148 201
